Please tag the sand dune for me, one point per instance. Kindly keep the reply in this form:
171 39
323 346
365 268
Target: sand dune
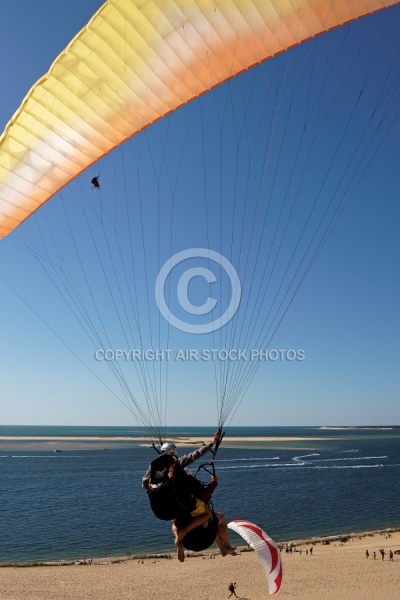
332 572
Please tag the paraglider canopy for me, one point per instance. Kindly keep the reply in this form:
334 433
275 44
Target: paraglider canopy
133 64
266 549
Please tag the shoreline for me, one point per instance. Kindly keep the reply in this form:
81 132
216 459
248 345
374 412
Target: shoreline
359 428
122 558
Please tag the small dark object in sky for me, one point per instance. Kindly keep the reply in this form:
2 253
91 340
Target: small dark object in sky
95 182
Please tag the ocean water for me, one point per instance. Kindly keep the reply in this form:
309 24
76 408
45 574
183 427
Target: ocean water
89 501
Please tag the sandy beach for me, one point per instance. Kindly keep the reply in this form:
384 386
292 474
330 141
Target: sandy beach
335 571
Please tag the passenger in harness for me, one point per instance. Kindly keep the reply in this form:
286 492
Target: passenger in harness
183 527
172 492
214 530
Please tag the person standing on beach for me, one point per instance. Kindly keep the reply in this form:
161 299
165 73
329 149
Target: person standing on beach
231 589
367 553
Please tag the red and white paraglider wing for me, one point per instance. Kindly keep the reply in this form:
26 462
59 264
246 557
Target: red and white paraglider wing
266 549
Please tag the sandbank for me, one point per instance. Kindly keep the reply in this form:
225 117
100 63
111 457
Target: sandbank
178 440
332 572
94 443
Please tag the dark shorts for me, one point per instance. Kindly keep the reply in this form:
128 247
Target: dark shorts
202 537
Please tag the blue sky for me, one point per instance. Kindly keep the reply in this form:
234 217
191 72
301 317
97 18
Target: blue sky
186 170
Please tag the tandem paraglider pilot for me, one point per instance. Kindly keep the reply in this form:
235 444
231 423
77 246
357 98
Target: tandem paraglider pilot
174 493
